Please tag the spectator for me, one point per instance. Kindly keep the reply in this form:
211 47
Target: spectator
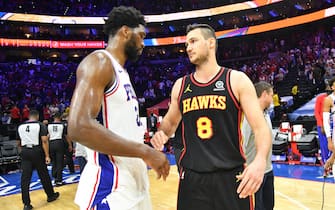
15 115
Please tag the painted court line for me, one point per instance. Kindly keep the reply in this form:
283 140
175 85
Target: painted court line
292 200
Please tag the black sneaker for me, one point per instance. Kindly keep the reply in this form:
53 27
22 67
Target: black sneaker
27 207
58 184
53 197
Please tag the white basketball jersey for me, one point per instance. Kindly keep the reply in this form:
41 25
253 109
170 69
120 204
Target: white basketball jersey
120 108
121 182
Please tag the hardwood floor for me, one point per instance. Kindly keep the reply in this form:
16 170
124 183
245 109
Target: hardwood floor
290 194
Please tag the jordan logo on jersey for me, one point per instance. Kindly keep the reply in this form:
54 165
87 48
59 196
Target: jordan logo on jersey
204 102
130 92
188 89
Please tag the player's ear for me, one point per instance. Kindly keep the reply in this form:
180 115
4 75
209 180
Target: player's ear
125 31
212 43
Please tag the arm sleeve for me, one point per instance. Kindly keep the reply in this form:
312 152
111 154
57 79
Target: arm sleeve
17 134
326 123
44 130
65 129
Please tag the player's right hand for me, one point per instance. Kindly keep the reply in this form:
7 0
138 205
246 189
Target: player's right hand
158 162
158 140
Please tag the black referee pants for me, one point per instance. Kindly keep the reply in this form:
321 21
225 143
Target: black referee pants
33 158
57 151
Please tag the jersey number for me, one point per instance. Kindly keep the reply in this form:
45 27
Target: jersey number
204 128
54 128
27 129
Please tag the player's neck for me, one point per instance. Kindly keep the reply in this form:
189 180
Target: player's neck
206 72
114 49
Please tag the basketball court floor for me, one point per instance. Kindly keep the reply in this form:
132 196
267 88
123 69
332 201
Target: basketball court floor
296 187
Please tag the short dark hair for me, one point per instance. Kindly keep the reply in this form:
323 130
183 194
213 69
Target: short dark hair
123 16
206 30
57 115
261 87
34 113
331 81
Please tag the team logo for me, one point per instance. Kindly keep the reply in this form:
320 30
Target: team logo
188 89
219 85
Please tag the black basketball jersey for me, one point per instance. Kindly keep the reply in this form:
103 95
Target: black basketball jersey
211 120
30 133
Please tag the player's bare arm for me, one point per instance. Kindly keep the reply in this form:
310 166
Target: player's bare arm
170 121
327 106
252 176
94 74
45 146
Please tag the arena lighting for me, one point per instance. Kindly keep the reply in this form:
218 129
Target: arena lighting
298 7
273 13
19 17
27 35
172 28
221 22
288 22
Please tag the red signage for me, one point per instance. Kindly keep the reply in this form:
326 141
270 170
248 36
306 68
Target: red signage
51 44
77 44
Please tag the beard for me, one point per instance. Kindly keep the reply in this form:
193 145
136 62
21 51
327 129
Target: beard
200 58
131 50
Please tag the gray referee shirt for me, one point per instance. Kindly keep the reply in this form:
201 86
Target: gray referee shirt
249 146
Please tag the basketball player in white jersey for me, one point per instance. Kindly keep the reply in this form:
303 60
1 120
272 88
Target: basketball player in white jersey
115 176
328 123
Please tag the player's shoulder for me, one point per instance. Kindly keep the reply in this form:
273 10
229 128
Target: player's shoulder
97 56
237 73
99 61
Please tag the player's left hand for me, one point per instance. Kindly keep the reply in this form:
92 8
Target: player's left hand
251 178
47 160
329 163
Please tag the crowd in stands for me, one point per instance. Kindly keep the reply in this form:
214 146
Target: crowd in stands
46 87
102 7
305 56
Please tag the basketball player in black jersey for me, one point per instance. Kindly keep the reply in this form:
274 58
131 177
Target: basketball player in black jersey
210 104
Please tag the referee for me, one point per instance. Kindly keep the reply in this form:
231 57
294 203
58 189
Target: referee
57 135
33 141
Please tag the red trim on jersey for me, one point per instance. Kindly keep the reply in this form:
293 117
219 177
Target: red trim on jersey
96 182
251 202
230 90
116 172
105 112
240 136
114 89
207 83
184 143
181 90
